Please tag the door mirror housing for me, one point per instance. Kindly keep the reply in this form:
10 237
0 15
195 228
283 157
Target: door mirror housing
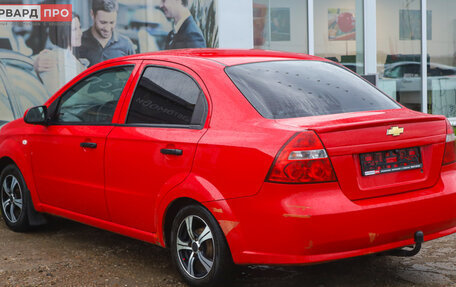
36 115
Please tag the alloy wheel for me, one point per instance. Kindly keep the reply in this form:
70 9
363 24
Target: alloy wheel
12 198
195 247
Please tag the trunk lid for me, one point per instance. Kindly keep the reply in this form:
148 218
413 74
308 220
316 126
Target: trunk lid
347 136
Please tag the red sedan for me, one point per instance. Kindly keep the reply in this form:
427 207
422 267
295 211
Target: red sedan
244 157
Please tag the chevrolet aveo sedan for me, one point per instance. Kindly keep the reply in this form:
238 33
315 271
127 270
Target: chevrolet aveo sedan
233 157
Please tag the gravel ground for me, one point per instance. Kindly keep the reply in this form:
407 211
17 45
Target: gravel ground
66 253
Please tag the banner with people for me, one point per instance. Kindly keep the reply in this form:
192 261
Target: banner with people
99 30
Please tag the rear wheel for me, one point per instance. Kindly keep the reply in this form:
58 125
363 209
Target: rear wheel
14 198
199 249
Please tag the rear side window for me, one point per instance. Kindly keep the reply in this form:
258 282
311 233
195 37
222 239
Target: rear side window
291 89
167 97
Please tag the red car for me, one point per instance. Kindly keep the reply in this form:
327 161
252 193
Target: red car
244 157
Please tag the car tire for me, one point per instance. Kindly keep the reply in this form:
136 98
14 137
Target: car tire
14 199
199 249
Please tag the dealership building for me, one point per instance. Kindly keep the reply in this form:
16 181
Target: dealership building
379 39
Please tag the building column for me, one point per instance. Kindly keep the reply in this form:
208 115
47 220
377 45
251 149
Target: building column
370 37
424 63
310 28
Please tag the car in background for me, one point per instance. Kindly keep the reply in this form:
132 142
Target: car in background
233 157
407 75
20 87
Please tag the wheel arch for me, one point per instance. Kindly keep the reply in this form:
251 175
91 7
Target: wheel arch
193 190
34 218
170 214
12 152
207 196
4 162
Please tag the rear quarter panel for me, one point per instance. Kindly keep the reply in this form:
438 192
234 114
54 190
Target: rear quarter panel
238 149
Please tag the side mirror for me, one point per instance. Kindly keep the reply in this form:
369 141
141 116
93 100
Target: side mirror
36 115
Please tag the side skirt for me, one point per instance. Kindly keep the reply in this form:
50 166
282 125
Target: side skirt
102 224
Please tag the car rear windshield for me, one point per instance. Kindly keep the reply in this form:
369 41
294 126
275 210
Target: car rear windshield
291 89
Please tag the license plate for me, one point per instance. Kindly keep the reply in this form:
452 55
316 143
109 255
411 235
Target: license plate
373 163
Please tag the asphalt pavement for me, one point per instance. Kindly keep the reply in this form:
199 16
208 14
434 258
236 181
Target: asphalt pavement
66 253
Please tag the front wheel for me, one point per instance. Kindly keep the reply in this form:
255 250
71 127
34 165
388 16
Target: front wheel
199 249
14 198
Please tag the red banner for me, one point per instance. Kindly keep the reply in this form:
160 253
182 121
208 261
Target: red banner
36 13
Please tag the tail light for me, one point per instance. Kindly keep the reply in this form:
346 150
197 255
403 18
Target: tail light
303 159
450 151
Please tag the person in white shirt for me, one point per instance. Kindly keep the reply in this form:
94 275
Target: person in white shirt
65 37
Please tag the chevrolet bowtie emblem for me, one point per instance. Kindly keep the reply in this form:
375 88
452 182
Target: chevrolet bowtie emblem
394 131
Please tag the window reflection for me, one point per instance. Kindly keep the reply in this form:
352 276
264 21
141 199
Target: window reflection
6 113
399 50
94 99
280 25
340 38
28 91
442 68
166 96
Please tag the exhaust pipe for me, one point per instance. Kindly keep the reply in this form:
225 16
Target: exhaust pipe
419 238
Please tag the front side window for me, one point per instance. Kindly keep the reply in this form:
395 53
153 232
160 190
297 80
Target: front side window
393 72
291 89
94 99
167 97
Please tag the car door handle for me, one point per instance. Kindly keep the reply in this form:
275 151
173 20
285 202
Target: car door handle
171 151
89 145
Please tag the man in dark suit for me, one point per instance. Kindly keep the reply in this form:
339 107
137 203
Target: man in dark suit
185 34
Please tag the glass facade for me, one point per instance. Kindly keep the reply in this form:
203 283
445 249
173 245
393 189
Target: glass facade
280 25
399 50
69 47
338 34
441 48
340 38
336 29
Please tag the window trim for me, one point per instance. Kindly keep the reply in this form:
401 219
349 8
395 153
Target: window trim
56 104
199 126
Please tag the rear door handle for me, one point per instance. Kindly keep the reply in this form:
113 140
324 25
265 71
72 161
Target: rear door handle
171 151
89 145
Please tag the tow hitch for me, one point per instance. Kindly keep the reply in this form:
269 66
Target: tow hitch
409 252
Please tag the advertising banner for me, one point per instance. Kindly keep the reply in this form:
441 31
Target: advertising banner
46 43
341 24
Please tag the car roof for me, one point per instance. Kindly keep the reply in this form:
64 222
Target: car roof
225 57
431 64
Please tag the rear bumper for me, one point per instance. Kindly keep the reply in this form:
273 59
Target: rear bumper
301 224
